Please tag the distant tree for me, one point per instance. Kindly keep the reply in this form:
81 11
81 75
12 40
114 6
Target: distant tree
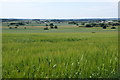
94 24
77 24
104 27
46 28
118 20
56 27
103 24
21 23
17 24
10 27
51 25
24 27
88 25
82 23
16 27
115 24
72 22
93 32
97 25
27 22
113 27
109 23
46 25
12 23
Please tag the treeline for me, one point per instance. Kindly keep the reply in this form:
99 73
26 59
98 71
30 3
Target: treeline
9 20
59 20
95 24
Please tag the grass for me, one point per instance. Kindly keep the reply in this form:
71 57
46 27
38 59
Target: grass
61 29
60 54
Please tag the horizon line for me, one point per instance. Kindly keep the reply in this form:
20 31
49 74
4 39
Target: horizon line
65 18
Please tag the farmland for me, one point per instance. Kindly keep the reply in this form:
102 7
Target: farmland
66 52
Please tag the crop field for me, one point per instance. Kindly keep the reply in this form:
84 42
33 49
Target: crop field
68 52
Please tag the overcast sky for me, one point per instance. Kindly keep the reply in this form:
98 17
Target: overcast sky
62 9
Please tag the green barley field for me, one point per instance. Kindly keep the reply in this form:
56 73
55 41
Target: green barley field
63 53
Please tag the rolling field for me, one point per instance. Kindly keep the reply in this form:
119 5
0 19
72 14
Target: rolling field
63 53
